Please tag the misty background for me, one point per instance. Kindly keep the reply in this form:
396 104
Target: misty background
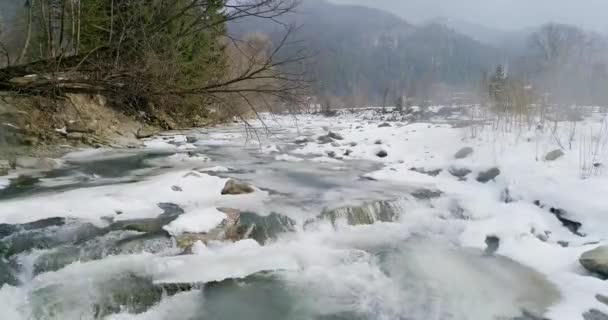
509 15
419 52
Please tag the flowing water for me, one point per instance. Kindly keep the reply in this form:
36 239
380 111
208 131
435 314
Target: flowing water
336 246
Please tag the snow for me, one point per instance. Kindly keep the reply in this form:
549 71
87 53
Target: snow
215 169
288 158
465 214
196 221
135 200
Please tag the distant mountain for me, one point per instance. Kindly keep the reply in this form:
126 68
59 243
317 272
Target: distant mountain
363 51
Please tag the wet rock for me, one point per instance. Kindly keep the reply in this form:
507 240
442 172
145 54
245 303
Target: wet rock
554 155
325 139
601 298
302 141
8 229
488 175
378 142
170 209
335 144
191 139
492 245
44 223
348 153
154 242
432 173
331 154
149 225
529 316
353 144
382 154
234 187
127 293
595 314
23 182
426 194
335 136
57 259
367 213
8 275
463 153
571 225
49 237
384 125
596 261
460 173
262 229
176 188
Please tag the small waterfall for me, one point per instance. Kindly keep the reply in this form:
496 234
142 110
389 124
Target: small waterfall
367 213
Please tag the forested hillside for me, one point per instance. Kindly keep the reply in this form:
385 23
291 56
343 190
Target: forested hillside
147 56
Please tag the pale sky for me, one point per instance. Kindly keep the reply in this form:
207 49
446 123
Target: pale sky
504 14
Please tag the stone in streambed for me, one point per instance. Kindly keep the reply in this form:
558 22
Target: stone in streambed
463 153
595 314
554 155
596 260
488 175
234 187
460 173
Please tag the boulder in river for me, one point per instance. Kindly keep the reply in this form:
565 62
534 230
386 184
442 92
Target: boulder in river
554 155
49 237
381 154
596 260
460 173
428 172
463 153
335 136
234 187
488 175
384 125
143 225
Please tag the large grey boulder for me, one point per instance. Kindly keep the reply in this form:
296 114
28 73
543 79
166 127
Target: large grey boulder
463 153
554 155
596 260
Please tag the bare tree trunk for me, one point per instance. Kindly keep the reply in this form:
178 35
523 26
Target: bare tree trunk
62 27
73 37
28 35
78 30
